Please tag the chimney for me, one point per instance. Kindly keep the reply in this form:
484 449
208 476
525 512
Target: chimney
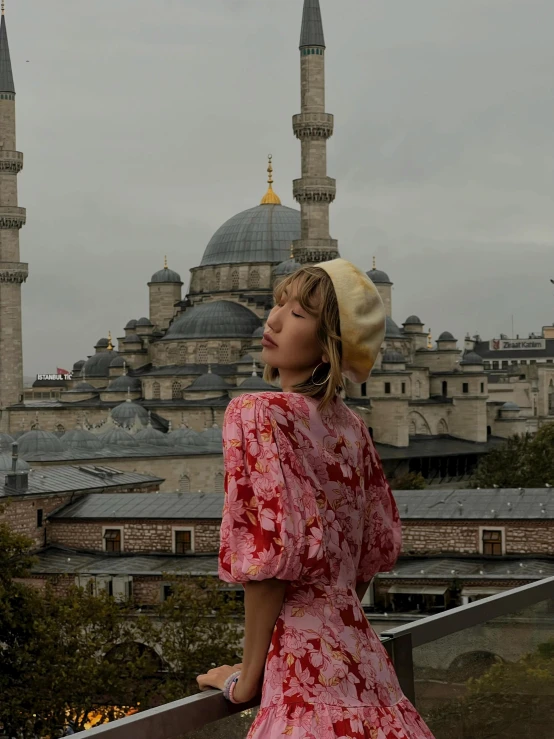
16 482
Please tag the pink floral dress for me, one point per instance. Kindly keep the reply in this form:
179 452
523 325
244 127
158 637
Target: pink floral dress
306 501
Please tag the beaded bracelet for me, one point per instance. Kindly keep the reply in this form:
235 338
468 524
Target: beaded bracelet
229 685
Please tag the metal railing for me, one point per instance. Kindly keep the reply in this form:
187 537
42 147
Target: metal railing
177 719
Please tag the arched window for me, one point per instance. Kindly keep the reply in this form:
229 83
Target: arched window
60 428
156 394
223 355
217 280
254 279
413 429
182 354
184 483
442 428
235 279
176 392
444 388
218 487
202 354
418 389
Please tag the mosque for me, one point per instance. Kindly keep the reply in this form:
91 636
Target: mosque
153 398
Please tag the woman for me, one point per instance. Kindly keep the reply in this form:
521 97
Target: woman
309 520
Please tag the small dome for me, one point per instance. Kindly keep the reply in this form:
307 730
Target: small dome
119 361
83 387
81 439
413 321
101 343
39 442
215 319
184 436
212 436
131 324
152 436
125 413
208 382
6 442
446 336
286 268
391 329
166 275
132 339
471 358
258 333
257 383
99 364
246 359
378 277
509 406
77 366
123 383
144 322
117 437
6 464
393 357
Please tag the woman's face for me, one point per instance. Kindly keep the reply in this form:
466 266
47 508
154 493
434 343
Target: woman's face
289 343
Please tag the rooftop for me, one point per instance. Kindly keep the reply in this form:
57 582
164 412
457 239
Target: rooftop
139 505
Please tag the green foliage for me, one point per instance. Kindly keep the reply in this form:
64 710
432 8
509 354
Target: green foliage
409 481
511 700
524 461
85 659
198 628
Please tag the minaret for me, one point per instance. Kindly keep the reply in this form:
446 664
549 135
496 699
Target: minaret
12 271
314 190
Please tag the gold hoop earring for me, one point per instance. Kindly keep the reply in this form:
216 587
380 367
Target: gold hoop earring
326 380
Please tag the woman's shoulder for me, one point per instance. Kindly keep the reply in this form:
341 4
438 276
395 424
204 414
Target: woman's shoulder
281 407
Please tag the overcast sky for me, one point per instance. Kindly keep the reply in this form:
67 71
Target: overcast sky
146 124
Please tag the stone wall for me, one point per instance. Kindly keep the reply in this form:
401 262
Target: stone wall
21 514
138 536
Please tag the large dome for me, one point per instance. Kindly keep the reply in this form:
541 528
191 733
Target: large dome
217 319
260 234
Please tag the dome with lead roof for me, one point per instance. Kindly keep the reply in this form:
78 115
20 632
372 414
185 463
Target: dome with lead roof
125 413
123 383
152 436
183 436
391 328
166 275
117 437
413 321
208 382
6 464
215 319
80 438
378 277
99 364
446 336
37 441
472 358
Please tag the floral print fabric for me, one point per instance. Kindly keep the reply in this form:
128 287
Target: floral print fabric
306 501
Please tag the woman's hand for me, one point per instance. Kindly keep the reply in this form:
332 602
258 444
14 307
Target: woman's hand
215 678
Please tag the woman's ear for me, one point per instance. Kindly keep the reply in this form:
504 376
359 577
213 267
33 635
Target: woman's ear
325 359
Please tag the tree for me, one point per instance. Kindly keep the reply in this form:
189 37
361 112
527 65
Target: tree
409 481
198 627
523 461
510 700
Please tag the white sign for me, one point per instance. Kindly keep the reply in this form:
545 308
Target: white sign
498 345
63 378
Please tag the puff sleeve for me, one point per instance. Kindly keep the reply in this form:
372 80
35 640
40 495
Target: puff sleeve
382 533
262 532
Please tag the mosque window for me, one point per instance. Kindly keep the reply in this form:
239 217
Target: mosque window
235 279
60 428
217 280
218 487
418 389
492 543
184 484
39 518
202 354
363 389
182 355
387 388
112 540
465 388
176 391
172 355
444 388
183 541
413 429
482 387
156 394
254 279
224 354
403 388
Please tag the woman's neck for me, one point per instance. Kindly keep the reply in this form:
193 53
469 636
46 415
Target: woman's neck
290 378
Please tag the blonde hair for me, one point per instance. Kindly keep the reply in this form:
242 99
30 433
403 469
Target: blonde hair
316 294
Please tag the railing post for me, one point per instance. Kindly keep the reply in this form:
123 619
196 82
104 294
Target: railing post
400 652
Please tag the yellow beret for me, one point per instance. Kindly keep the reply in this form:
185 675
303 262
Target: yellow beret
362 318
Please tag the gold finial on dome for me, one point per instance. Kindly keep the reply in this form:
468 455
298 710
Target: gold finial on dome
3 7
110 345
270 198
165 262
292 252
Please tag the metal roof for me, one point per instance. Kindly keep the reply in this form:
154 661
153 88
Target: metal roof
120 452
488 504
311 33
6 75
437 446
470 568
58 560
218 318
260 234
139 505
66 478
